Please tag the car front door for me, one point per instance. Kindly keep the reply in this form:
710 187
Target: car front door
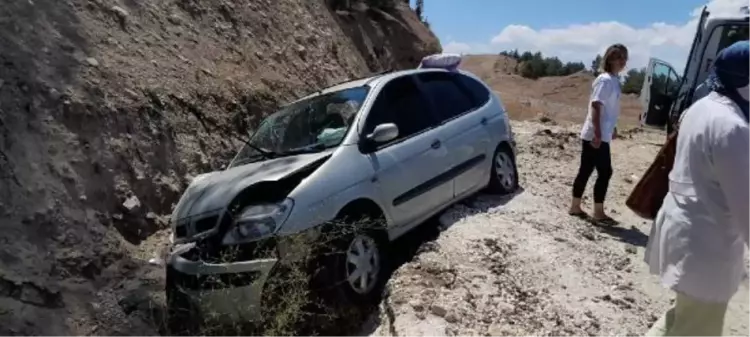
408 169
464 121
658 93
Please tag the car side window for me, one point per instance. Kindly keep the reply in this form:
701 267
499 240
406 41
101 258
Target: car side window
400 102
450 100
478 91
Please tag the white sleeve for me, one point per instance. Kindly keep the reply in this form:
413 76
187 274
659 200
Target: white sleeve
730 157
602 88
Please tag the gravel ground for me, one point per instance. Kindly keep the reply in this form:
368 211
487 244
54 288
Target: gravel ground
520 265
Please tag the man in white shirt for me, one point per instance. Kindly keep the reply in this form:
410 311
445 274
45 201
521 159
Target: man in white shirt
598 131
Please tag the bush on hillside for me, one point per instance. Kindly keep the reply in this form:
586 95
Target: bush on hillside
419 9
634 81
536 65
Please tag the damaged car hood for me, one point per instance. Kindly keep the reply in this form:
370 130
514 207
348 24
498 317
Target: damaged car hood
216 190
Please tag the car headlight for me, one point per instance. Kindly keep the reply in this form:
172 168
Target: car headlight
258 221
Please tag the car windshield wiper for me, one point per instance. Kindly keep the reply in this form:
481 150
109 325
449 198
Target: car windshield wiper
268 154
306 149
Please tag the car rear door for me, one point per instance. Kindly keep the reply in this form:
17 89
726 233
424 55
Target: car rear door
408 170
659 91
464 123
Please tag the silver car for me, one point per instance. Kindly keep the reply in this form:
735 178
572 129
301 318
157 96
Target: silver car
396 148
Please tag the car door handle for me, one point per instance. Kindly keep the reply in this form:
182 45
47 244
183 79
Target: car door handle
435 145
483 121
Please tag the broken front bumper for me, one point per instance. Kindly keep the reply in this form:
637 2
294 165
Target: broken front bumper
221 292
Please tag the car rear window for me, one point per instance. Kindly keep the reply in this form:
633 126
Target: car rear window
449 98
478 91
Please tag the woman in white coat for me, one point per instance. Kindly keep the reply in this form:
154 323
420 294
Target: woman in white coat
698 240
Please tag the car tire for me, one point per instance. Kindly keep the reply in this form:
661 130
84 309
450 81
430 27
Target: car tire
504 173
352 267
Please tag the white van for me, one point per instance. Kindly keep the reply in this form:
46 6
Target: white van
665 94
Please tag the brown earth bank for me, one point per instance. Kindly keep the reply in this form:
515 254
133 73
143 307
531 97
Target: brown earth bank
108 108
561 98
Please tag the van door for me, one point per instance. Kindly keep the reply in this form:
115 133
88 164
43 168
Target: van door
688 84
658 93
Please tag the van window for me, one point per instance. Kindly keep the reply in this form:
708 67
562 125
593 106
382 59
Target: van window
449 99
731 34
661 78
400 102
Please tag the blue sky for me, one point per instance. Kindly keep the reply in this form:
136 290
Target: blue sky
574 30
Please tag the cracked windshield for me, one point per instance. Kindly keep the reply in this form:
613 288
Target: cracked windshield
313 124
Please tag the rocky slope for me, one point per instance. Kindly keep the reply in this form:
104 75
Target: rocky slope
520 265
108 107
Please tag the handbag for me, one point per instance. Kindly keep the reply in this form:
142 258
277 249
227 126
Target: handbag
648 194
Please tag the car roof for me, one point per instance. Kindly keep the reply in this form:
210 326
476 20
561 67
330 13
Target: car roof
376 80
389 76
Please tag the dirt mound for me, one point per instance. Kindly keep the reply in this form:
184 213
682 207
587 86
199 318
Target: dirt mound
110 107
561 98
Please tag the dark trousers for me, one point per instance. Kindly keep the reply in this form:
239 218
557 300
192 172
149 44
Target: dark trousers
599 159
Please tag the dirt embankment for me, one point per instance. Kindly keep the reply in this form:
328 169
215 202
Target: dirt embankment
563 98
107 108
520 265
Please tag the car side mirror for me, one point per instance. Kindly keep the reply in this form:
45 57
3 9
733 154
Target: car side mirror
383 133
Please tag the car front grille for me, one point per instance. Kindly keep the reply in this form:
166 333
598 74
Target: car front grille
206 224
192 226
210 282
210 252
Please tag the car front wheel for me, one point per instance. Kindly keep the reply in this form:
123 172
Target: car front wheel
363 265
351 268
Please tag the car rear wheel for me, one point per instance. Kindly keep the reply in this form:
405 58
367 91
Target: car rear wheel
504 174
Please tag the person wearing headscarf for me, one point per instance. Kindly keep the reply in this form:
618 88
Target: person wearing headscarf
698 240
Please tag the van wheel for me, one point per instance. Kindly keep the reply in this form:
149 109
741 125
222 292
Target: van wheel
351 269
504 174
